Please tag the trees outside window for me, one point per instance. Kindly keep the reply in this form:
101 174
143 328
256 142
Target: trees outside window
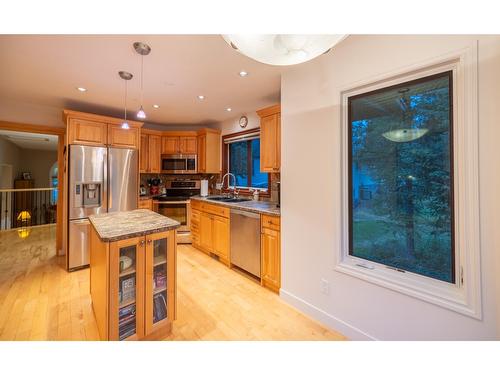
401 177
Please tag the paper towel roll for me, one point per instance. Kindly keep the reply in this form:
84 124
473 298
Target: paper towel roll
204 188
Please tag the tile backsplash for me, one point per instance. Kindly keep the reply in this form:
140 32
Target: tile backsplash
212 180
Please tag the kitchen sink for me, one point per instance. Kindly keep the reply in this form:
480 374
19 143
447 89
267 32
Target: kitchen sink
235 200
223 199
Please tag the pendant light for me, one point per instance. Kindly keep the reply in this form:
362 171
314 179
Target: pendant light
126 76
142 49
406 133
282 49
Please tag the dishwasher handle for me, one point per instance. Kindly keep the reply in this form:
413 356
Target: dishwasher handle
251 215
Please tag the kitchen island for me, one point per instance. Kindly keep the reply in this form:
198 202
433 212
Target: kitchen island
133 274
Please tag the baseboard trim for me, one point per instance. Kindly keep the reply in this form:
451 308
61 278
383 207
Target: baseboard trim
351 332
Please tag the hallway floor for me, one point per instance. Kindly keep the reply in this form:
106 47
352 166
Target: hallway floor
39 300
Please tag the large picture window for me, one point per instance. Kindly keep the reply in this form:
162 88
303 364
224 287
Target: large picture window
242 159
400 153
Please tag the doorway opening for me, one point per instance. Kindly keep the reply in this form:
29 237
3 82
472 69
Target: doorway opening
31 176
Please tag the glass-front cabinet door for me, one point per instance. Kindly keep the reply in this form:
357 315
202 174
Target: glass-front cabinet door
160 279
127 289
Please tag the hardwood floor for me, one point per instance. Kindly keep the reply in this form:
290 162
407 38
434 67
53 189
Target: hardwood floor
39 300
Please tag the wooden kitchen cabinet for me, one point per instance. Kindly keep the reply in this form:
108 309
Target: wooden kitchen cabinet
187 145
154 154
195 227
270 139
87 132
220 236
270 253
150 153
206 231
159 291
178 145
126 289
145 203
169 145
133 286
144 154
210 227
125 138
96 130
209 151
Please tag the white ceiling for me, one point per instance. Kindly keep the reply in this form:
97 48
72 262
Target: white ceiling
31 141
47 69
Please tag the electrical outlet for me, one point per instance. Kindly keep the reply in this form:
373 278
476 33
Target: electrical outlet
325 286
218 185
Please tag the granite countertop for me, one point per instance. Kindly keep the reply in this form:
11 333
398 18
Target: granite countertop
117 226
260 207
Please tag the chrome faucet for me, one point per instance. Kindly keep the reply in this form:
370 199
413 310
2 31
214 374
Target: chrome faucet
228 181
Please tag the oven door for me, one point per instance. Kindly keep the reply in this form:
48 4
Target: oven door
178 211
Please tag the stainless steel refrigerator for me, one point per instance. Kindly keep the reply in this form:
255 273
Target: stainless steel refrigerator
101 179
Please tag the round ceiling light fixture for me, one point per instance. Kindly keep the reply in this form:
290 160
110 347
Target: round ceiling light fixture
282 49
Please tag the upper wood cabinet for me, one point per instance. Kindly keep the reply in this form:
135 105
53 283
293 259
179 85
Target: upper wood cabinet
187 145
125 138
95 130
209 151
154 154
150 152
270 138
144 154
169 145
87 132
178 145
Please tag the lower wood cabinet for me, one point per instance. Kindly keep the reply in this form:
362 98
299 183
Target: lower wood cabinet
145 203
133 287
270 252
210 233
210 230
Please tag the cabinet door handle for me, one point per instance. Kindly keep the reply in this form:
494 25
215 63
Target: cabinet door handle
141 243
149 241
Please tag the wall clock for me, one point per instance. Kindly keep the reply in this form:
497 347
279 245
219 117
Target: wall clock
243 121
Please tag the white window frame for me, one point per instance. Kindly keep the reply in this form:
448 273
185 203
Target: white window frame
465 295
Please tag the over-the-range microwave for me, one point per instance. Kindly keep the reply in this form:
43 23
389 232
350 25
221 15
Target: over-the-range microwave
178 164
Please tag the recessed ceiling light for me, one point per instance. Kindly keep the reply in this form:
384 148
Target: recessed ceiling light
201 97
81 89
228 109
243 73
156 106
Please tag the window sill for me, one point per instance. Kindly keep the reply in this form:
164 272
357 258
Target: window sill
450 296
262 193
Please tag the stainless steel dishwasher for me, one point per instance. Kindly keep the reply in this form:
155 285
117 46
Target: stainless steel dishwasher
245 241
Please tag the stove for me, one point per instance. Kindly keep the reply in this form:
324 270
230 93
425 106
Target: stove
175 204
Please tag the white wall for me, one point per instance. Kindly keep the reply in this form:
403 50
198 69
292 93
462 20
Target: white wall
311 132
38 162
10 155
233 126
28 113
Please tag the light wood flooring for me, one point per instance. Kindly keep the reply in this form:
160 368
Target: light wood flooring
39 300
